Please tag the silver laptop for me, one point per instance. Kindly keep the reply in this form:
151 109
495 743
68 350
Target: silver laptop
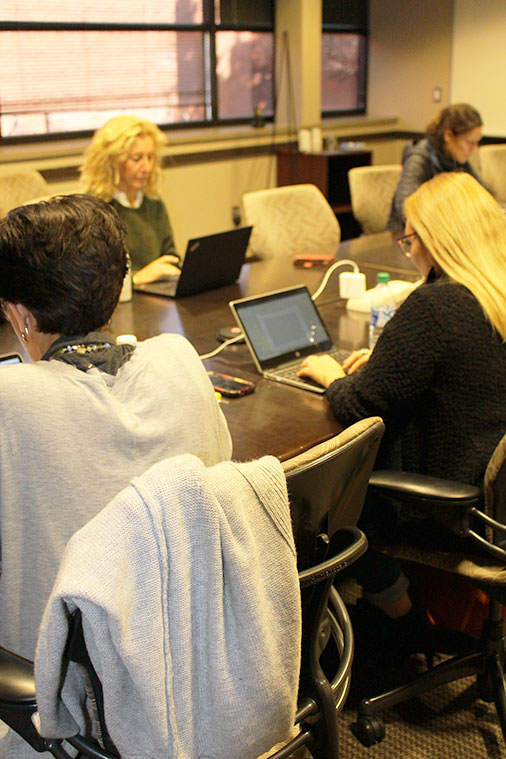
210 262
281 328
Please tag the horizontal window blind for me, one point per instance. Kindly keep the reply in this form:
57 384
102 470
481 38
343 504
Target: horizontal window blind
104 11
71 66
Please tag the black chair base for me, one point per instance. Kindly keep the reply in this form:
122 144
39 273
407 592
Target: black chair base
486 664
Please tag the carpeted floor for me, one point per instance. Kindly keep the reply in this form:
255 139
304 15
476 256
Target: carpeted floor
448 723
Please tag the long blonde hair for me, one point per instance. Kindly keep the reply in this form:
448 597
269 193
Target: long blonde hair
464 229
110 146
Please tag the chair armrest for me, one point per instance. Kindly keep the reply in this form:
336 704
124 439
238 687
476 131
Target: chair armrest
356 546
17 682
17 699
446 501
18 703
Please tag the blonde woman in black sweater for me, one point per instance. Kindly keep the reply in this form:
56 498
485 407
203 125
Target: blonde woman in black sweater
437 375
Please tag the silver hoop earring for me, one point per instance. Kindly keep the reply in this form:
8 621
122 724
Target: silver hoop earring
25 334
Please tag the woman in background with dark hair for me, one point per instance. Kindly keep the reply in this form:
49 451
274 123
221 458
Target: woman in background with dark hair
450 140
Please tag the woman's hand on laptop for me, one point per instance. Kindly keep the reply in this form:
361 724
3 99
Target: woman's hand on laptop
356 359
160 267
321 369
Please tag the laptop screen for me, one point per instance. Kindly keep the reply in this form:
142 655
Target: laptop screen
282 326
211 261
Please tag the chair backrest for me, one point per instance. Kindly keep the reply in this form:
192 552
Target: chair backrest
290 220
330 477
194 577
327 485
372 189
492 159
494 490
18 186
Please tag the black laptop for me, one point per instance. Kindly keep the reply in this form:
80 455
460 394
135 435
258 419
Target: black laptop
210 262
281 328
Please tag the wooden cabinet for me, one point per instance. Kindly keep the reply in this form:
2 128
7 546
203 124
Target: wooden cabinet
327 170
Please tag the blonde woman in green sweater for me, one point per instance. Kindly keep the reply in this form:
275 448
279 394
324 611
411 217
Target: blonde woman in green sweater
122 167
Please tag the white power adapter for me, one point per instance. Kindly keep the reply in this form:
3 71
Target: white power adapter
351 284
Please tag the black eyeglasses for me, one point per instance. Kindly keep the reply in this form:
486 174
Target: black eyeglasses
405 243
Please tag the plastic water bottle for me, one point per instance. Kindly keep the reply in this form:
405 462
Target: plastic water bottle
126 290
382 307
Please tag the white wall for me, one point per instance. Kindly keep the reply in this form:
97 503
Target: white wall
200 197
409 54
478 67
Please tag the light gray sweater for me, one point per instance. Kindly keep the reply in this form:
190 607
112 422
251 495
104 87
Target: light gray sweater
70 441
189 591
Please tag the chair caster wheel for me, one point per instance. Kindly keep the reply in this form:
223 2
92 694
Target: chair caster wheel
368 730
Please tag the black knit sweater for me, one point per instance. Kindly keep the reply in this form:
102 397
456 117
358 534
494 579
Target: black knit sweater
437 377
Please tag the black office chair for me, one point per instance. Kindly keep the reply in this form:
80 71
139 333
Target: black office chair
463 532
327 487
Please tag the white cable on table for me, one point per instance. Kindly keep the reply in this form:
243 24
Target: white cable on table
330 270
221 347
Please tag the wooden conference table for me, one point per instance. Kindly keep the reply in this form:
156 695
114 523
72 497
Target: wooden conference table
276 419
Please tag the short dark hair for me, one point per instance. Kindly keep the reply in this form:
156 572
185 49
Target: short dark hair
65 260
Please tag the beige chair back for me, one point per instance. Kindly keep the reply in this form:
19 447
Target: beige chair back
372 189
492 159
18 186
290 220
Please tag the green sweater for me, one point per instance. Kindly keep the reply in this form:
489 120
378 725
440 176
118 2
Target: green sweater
149 234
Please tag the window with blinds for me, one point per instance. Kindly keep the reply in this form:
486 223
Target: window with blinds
69 67
344 56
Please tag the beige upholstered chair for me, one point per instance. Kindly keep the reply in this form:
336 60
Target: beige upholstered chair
18 186
492 159
290 220
372 189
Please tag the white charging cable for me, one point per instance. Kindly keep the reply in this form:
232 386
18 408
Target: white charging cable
357 275
222 346
358 289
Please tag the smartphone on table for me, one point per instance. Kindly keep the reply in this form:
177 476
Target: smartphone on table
230 387
7 359
308 260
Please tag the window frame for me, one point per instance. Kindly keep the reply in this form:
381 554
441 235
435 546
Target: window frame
209 30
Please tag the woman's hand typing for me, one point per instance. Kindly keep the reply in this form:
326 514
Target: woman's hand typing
356 359
160 267
321 369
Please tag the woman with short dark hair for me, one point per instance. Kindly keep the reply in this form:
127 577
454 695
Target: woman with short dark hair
87 414
62 265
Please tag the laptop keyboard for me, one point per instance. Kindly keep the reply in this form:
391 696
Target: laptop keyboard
290 370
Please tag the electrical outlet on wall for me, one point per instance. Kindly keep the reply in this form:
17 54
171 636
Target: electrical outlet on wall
436 94
236 216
